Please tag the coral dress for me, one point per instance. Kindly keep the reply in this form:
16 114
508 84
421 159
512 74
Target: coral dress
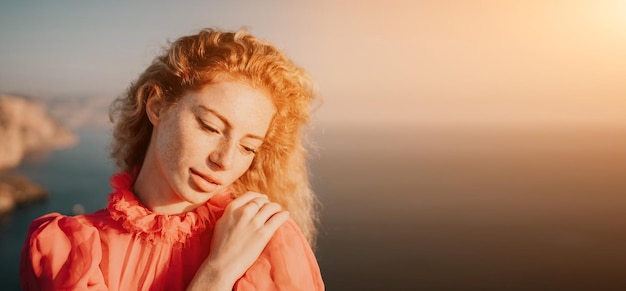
127 247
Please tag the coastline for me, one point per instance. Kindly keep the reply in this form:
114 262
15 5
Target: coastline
26 129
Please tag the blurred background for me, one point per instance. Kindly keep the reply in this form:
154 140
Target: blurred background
460 145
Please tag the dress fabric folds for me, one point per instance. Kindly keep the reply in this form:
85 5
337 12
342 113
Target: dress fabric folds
127 247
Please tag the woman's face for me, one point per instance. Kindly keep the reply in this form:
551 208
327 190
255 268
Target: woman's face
207 140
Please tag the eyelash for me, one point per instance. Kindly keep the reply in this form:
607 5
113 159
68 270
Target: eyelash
213 130
207 127
250 150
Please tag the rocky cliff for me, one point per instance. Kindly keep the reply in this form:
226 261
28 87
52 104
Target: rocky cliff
18 191
26 127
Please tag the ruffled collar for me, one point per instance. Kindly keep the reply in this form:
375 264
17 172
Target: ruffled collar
125 208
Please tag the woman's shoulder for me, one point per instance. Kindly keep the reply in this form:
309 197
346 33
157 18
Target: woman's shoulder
287 262
60 251
289 233
55 233
56 224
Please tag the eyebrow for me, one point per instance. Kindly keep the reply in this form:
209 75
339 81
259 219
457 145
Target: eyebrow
225 120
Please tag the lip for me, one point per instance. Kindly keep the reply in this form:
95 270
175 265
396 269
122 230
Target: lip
204 182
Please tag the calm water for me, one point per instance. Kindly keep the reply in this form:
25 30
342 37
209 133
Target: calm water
425 208
72 176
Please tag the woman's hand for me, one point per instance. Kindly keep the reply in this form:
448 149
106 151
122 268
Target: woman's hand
240 236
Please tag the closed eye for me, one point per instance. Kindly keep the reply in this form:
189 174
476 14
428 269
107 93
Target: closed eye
249 149
206 126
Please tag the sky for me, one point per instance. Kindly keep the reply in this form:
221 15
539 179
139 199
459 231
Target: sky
382 63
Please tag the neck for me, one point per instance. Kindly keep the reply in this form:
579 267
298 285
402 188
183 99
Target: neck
154 193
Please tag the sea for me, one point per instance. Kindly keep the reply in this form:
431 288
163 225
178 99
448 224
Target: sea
421 207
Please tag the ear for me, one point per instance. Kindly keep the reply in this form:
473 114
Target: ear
154 105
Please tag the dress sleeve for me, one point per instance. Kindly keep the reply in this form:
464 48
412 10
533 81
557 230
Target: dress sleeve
286 263
61 253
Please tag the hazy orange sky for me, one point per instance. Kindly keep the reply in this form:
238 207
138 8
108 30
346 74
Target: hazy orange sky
375 62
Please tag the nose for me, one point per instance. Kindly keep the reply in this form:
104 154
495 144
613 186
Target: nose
223 154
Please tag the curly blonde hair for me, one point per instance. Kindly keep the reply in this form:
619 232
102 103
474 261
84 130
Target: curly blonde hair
279 168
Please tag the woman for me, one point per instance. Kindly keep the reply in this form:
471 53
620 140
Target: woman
212 123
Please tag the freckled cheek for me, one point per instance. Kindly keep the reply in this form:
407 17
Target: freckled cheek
197 149
241 167
179 149
170 157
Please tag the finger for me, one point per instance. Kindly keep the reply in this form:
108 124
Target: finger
266 212
260 202
249 211
274 222
245 199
